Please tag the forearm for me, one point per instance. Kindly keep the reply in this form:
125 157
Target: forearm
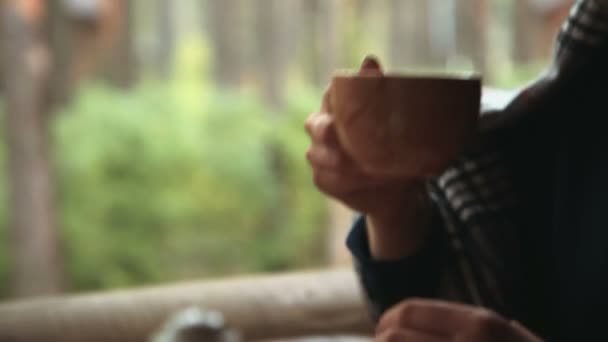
389 281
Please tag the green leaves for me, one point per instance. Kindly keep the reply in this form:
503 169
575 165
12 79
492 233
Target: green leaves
154 187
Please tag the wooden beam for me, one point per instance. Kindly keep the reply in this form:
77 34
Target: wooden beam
264 307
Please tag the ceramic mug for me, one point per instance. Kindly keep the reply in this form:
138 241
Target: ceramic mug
405 126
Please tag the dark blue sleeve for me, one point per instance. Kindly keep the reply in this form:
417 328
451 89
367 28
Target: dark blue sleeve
387 283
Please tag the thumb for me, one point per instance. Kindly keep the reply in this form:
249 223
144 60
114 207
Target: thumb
370 66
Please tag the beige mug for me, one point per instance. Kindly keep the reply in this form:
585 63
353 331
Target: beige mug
402 126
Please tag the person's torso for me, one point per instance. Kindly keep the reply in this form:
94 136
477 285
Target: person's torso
563 177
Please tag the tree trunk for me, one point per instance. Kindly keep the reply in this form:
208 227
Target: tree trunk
327 40
272 19
361 8
310 62
409 41
166 40
525 33
399 34
321 39
471 32
61 46
227 38
121 70
25 59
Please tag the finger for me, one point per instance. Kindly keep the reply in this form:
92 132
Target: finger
408 335
439 317
326 106
326 156
311 121
321 128
370 66
332 183
341 183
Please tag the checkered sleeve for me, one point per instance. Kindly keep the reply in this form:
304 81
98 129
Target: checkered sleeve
476 197
584 36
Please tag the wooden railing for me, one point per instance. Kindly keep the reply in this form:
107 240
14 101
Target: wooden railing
264 307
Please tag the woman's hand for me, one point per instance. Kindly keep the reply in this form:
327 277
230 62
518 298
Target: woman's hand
420 320
396 209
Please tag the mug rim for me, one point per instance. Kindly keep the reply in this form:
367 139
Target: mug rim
411 76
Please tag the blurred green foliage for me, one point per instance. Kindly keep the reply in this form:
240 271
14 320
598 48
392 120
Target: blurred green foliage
176 180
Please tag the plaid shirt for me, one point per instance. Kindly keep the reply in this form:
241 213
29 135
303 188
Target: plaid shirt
476 200
475 195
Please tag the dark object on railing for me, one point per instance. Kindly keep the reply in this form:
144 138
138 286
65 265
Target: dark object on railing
195 325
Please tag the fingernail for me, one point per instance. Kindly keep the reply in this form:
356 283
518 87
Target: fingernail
370 63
